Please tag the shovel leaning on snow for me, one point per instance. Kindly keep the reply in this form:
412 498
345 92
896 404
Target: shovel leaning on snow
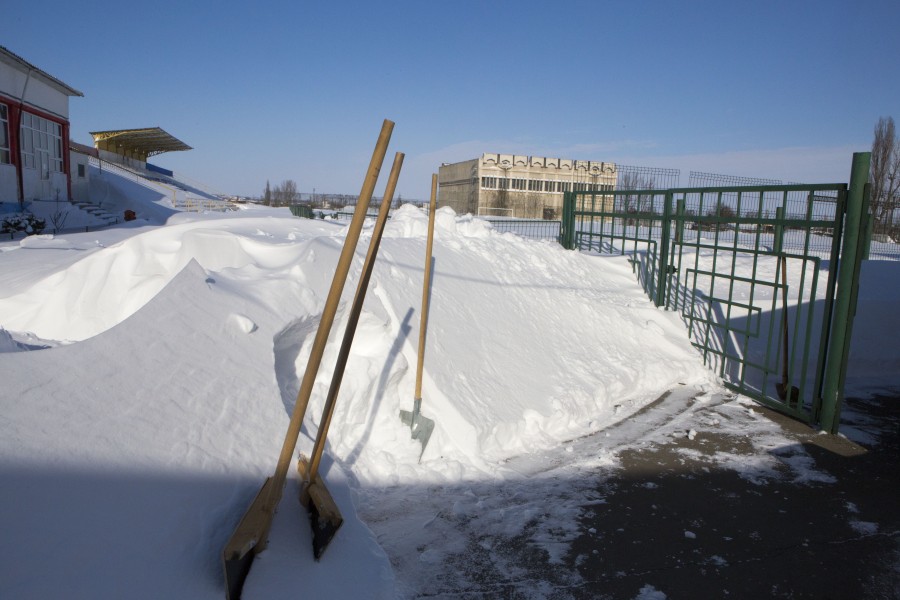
251 536
784 387
324 516
420 426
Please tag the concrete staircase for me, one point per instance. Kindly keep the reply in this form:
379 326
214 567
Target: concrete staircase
98 213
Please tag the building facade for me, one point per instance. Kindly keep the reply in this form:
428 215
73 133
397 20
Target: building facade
526 187
34 132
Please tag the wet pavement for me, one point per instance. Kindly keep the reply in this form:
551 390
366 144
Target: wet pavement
676 525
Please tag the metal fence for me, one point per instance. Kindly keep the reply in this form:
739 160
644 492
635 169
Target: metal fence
536 229
753 271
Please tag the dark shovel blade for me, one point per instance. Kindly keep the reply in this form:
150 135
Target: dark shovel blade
782 390
324 528
246 541
324 516
236 571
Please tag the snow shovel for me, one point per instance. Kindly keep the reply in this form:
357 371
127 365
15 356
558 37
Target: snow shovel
251 536
420 426
324 516
783 387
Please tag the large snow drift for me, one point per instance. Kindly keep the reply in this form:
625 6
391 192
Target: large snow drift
149 374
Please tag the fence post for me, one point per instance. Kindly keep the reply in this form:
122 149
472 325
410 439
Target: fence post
869 224
665 240
778 244
847 292
679 223
567 223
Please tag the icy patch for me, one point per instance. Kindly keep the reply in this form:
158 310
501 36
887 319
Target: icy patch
802 465
864 527
753 468
648 592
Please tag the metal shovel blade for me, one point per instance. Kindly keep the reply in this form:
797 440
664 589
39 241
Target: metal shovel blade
420 426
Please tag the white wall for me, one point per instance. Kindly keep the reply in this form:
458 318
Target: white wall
81 186
9 185
37 93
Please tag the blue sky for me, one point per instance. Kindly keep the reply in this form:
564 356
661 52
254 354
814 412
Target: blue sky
297 90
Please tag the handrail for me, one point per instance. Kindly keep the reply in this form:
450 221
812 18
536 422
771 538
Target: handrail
137 178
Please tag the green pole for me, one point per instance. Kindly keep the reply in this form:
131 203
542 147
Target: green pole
567 222
869 221
845 300
679 223
664 242
778 244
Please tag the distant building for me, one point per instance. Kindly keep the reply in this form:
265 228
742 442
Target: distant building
519 186
34 132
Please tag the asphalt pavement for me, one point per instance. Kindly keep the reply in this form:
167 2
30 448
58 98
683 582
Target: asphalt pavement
674 527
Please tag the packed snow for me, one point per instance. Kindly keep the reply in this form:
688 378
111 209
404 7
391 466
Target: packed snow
150 369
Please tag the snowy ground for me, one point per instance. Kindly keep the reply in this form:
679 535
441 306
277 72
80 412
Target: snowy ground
149 373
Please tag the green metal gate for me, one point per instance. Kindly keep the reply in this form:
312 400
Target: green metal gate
752 270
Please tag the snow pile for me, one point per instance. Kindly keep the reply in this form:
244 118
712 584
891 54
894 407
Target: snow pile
131 445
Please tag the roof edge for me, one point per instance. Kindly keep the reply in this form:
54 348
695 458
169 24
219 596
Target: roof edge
11 57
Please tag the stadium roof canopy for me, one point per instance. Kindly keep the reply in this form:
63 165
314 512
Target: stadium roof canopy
138 143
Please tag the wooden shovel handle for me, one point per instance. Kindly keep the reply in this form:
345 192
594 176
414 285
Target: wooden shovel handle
423 323
331 304
353 319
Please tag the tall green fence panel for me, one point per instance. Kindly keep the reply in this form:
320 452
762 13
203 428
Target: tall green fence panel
752 270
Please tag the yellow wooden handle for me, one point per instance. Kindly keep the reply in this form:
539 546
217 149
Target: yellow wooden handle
331 304
423 324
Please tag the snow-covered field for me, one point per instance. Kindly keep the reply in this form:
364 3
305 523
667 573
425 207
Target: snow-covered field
149 371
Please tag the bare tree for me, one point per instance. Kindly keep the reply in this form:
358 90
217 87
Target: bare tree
885 173
635 203
58 216
285 193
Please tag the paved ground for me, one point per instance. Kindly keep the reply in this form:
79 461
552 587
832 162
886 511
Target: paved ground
674 527
697 495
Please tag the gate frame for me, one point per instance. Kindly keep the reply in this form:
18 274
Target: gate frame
842 288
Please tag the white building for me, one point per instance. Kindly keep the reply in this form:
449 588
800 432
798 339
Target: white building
519 186
34 132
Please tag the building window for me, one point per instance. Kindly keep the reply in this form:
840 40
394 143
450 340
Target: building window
81 170
41 144
4 135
